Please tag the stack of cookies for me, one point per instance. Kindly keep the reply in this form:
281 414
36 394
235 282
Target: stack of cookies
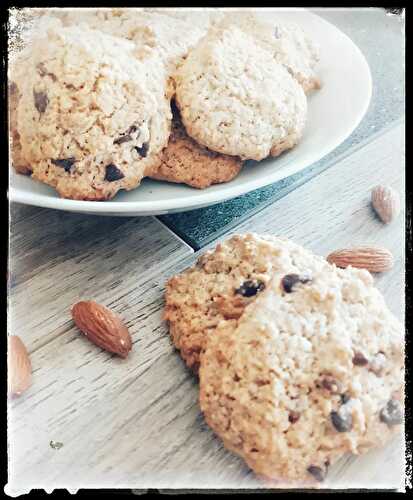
299 361
101 98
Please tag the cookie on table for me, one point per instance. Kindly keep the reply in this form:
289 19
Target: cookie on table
288 43
221 284
235 99
185 161
312 369
88 118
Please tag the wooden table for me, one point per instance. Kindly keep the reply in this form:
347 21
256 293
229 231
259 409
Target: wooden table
136 423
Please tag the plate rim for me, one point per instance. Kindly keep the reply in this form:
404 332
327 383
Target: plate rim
200 198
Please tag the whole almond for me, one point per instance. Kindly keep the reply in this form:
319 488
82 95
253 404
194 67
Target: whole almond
19 368
103 327
374 259
386 203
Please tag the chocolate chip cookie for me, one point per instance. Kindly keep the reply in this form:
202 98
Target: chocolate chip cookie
221 284
87 117
311 370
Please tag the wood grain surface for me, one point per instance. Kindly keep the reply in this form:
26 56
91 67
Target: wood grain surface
135 423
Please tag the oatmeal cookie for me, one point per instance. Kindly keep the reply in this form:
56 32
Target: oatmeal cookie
287 42
235 99
311 370
185 161
87 117
219 287
169 36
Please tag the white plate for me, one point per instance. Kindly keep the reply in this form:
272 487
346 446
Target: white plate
333 113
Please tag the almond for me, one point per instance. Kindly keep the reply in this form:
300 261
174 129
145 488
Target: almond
386 203
103 327
19 368
374 259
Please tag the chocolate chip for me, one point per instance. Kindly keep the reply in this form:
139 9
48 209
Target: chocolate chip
345 398
290 280
392 413
250 288
122 139
143 150
293 417
359 359
317 472
126 137
40 101
113 173
330 384
342 421
65 163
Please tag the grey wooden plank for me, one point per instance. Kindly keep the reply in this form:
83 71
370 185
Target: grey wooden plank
135 423
57 259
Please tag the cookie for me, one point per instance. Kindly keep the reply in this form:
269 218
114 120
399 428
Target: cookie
201 16
170 36
14 138
287 42
235 99
185 161
218 288
88 118
311 370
